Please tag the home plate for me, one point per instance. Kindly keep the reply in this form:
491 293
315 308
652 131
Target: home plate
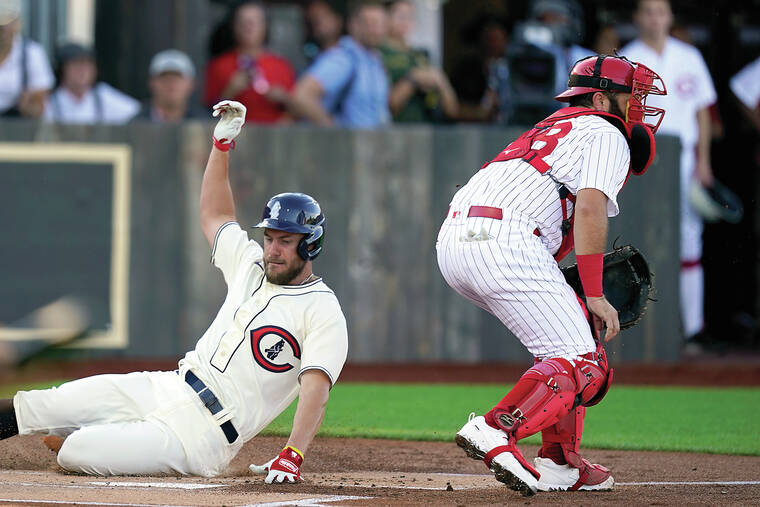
405 480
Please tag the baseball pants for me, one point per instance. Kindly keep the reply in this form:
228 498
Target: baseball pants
692 284
127 425
501 266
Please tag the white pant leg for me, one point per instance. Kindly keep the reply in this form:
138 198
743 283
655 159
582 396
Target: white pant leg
101 399
133 448
691 275
515 278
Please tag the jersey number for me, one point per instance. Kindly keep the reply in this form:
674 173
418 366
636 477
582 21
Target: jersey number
523 146
550 136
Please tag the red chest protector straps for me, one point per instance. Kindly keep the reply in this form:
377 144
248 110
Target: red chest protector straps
639 137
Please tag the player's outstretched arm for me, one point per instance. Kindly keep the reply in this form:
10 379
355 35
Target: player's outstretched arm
312 400
590 232
217 204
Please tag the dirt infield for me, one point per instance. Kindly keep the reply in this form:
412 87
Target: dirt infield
386 472
379 472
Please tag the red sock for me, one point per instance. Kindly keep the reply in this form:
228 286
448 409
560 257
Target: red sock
509 402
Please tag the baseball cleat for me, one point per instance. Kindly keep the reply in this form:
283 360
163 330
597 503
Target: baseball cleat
476 437
482 442
556 477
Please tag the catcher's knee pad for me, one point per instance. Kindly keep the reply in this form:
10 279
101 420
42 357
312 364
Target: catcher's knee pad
592 382
549 389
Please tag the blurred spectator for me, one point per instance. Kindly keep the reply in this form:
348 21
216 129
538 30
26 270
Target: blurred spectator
564 19
347 85
79 99
690 94
324 26
746 87
250 74
419 91
607 40
25 73
171 83
481 79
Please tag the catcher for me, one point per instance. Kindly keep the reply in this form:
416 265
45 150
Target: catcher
550 191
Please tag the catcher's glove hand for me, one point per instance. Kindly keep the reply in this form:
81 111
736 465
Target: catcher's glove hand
231 118
627 283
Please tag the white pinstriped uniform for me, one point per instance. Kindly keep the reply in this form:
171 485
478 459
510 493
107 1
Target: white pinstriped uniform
501 265
690 89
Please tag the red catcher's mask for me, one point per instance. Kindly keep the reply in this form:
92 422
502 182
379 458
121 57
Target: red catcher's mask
645 82
618 74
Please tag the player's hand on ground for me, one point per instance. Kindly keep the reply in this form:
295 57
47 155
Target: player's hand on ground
603 314
231 118
284 468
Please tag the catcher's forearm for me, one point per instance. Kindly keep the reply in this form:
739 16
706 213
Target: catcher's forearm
315 391
217 204
590 226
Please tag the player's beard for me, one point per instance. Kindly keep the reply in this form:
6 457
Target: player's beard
615 109
284 277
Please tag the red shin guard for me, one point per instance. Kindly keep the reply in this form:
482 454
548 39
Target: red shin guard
544 394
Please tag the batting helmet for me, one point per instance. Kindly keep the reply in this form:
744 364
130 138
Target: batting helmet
603 73
297 213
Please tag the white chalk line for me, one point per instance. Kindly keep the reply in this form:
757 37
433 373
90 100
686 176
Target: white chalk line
690 483
309 502
74 502
168 485
101 485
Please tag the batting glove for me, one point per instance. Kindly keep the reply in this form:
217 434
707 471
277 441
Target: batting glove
231 118
284 468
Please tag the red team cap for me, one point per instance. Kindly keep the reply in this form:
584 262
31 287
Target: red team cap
618 74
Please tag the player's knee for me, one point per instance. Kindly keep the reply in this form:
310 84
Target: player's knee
547 393
77 454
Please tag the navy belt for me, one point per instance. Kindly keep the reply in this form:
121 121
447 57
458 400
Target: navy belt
212 404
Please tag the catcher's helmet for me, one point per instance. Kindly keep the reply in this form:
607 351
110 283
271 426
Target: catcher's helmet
603 73
298 213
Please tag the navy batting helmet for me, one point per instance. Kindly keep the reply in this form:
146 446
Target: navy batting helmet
298 213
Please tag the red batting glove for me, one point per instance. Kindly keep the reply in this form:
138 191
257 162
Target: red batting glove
284 468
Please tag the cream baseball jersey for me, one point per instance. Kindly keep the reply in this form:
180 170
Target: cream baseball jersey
581 152
264 336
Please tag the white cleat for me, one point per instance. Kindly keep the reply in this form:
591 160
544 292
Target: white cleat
556 477
478 438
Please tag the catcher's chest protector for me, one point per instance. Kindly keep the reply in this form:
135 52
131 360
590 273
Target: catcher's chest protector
639 137
640 141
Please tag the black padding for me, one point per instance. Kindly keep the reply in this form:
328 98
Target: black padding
8 422
642 148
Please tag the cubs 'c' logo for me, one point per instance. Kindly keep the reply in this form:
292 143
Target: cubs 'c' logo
271 351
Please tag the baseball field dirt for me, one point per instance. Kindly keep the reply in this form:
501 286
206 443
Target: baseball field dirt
379 472
387 472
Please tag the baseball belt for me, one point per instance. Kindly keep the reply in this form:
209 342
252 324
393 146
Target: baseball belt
211 402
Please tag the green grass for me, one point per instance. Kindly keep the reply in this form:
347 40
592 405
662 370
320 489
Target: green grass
714 420
725 421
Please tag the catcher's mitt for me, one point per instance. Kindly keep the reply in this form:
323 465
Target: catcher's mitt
627 283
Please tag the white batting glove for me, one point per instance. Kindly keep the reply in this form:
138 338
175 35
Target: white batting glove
231 118
284 468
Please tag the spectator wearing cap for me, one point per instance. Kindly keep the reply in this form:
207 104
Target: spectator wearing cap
25 73
79 99
171 83
249 73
